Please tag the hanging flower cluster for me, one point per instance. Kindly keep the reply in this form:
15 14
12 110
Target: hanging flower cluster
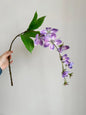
48 38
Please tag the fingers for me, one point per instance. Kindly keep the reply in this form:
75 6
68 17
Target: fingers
8 53
10 56
11 61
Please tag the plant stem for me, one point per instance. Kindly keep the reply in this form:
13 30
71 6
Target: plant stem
59 55
60 60
9 56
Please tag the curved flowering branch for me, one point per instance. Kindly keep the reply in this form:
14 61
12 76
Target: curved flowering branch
47 38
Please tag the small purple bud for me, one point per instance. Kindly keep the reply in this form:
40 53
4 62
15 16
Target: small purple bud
70 65
54 30
48 28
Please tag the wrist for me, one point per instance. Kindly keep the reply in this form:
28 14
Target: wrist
2 67
0 61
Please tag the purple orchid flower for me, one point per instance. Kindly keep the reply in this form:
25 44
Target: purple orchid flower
49 34
69 64
65 58
38 40
50 45
58 42
65 73
63 48
51 30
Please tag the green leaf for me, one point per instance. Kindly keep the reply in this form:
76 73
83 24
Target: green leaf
38 23
70 74
28 42
33 21
31 33
66 83
61 45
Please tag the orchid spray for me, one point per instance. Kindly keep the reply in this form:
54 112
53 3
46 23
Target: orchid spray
45 38
48 38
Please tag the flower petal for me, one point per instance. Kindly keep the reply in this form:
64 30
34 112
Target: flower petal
58 42
62 48
65 74
53 36
70 65
54 30
46 44
36 41
41 42
51 46
43 32
65 47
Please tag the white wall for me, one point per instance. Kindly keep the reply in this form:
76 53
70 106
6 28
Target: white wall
38 88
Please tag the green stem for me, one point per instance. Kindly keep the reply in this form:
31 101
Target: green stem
9 57
59 57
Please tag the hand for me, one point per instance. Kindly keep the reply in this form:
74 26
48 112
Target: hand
4 59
